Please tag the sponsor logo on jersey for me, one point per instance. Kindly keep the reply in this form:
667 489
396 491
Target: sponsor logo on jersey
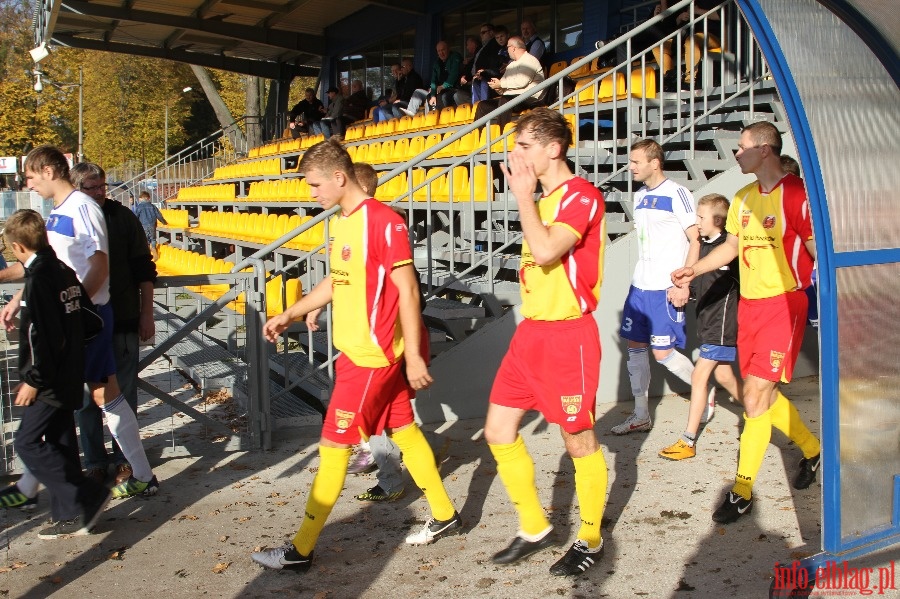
571 404
343 419
585 200
775 360
345 253
769 221
660 340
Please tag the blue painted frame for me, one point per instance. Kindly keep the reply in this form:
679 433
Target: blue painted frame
828 262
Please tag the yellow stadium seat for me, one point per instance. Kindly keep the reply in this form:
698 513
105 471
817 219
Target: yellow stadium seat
643 83
352 151
483 134
303 191
373 154
404 124
430 121
387 152
447 150
362 153
460 185
417 123
608 88
432 140
581 71
556 67
421 194
483 186
401 151
416 147
463 114
390 127
467 144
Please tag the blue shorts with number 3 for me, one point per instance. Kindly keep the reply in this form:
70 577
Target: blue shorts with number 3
649 317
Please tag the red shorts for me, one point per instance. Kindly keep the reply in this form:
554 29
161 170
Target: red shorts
365 401
552 367
770 333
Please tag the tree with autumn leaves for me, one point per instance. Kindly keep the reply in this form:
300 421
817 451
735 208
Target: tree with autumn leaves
125 99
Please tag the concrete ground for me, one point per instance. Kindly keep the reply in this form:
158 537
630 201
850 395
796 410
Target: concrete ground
216 506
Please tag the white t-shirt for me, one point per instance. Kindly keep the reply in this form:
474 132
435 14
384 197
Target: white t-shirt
661 216
76 230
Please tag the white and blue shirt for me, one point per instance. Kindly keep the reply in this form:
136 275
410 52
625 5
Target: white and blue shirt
76 230
661 216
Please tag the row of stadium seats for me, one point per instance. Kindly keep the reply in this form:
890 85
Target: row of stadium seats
176 219
446 117
223 191
259 228
174 261
285 146
643 84
252 168
401 150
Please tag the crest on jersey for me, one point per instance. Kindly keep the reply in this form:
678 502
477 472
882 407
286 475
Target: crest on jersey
571 404
345 253
776 358
769 221
343 419
745 219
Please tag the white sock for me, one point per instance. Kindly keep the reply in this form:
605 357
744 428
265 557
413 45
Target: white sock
679 365
123 425
28 484
639 375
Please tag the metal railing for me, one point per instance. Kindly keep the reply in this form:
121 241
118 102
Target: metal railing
740 68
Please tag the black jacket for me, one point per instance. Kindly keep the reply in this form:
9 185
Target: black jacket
51 347
488 56
310 111
408 84
717 294
130 264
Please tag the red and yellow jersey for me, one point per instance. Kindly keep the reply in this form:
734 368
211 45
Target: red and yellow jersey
570 287
366 245
771 229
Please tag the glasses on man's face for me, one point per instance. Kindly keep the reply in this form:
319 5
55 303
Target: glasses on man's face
93 187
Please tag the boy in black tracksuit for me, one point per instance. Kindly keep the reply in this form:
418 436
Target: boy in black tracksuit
717 294
56 312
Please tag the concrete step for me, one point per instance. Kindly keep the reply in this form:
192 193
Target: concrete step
295 365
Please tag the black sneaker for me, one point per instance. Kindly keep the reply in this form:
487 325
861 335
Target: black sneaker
732 508
577 559
63 529
808 469
377 494
521 548
283 558
435 529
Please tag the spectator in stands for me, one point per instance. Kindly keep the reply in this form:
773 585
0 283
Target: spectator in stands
501 36
357 104
383 111
653 316
409 82
306 112
463 93
76 230
553 361
371 392
522 74
149 215
132 274
444 77
774 275
487 60
533 43
693 45
51 368
330 124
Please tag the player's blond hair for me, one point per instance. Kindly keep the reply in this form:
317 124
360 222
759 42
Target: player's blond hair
718 205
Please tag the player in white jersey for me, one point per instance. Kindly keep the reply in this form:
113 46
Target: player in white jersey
77 232
653 316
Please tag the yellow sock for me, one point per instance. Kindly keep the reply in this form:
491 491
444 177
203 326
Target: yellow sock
754 441
419 460
516 470
326 489
590 486
786 418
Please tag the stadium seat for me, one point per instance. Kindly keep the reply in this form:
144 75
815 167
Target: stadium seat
643 83
556 67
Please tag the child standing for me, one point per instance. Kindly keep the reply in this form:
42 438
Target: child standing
51 368
717 295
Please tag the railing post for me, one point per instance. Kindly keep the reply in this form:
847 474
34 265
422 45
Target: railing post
258 390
